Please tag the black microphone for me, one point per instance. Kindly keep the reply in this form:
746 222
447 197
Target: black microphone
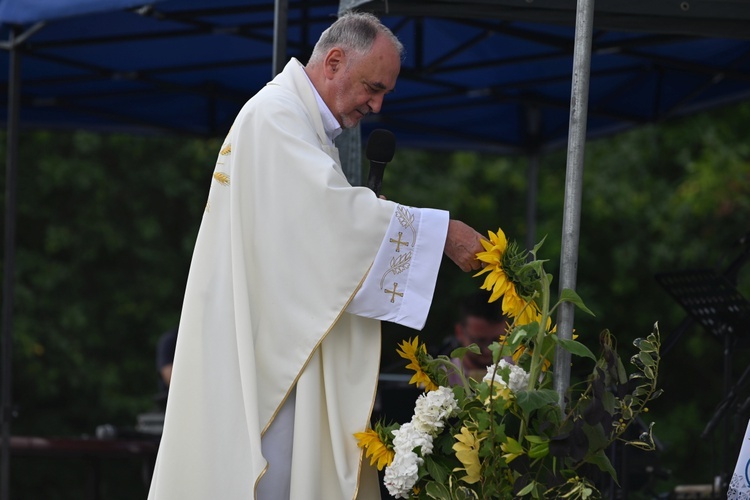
380 148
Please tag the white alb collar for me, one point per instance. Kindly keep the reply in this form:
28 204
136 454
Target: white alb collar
330 123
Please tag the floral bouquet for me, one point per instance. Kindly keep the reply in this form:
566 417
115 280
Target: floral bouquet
509 434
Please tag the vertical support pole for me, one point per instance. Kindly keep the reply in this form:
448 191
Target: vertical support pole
280 27
349 143
533 125
9 261
532 188
573 186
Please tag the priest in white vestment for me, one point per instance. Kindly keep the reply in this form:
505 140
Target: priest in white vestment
278 350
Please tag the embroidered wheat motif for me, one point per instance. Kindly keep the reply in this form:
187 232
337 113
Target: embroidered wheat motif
222 178
226 150
406 219
398 266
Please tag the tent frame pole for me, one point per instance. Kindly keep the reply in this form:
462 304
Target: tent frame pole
571 226
9 264
280 26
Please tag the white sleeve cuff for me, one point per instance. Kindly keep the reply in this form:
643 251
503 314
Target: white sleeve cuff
401 283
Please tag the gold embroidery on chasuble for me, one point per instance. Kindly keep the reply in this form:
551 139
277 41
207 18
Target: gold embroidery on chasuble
394 292
406 219
397 266
222 178
401 262
398 242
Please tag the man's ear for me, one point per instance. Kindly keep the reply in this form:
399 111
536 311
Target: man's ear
334 62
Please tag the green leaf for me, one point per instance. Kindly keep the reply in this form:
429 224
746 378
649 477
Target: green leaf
601 460
646 359
609 401
438 472
538 246
641 390
437 490
575 347
596 436
513 446
527 489
568 295
622 375
536 439
497 352
645 345
529 401
460 351
522 334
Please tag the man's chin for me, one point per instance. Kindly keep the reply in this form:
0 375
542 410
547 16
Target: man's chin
350 123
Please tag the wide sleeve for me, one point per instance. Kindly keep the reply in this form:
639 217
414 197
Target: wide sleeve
401 282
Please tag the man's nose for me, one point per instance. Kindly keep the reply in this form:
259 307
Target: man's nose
375 103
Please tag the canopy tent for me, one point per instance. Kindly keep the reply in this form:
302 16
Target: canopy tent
491 75
182 66
482 75
495 75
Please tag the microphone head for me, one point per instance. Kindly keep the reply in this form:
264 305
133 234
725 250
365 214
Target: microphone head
381 145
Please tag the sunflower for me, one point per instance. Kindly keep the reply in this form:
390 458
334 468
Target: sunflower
413 351
516 307
467 452
375 449
496 281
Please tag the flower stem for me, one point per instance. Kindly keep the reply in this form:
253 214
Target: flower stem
537 356
451 366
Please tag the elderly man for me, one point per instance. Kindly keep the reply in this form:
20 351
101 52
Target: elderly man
277 359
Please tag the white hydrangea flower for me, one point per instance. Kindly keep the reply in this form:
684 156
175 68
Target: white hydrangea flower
518 379
408 437
401 476
432 409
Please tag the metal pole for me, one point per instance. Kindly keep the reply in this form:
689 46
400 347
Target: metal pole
533 126
573 185
532 191
349 143
9 264
280 26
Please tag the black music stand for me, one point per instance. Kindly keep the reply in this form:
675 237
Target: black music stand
711 299
714 302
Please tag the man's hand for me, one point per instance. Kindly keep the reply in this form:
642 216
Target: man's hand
462 245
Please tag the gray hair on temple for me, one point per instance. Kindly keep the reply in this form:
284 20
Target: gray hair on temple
355 31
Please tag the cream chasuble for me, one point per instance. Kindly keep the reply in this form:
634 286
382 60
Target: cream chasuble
265 311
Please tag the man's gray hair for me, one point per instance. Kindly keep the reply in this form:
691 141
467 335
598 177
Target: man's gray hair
354 31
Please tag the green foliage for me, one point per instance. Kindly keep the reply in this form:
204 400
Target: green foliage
105 231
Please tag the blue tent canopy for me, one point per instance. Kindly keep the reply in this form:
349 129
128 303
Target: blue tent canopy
32 11
184 66
474 77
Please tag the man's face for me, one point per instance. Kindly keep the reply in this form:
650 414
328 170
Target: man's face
479 331
359 86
